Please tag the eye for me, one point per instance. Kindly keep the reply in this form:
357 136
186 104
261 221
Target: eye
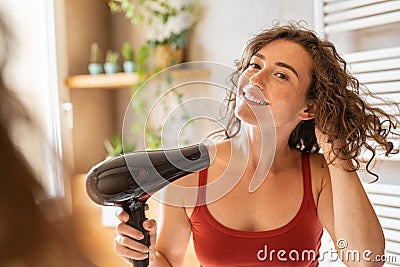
282 76
254 65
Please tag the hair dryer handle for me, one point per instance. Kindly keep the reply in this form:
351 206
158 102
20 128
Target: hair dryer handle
136 211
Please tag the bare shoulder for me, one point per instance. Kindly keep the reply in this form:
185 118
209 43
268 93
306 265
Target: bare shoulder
219 153
190 180
220 149
319 171
317 160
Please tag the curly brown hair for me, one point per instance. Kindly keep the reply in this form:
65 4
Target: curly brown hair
349 122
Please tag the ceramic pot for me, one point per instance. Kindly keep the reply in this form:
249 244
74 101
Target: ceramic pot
111 68
129 66
95 68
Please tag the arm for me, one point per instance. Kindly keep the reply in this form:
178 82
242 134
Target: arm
174 235
345 211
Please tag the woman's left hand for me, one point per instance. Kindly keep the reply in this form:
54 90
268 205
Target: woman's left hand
327 148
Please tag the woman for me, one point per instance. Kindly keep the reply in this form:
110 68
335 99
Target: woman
315 104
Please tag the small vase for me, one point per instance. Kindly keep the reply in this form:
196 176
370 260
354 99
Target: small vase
111 68
129 66
95 68
166 56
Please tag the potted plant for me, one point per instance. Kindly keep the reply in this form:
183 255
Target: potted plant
168 24
127 54
169 50
111 63
95 67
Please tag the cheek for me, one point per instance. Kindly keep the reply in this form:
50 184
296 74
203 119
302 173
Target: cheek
287 96
287 107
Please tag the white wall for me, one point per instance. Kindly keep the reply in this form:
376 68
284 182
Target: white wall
226 25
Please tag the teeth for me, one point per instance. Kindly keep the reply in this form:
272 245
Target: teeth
256 100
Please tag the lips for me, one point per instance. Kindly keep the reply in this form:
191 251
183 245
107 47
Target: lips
251 96
255 100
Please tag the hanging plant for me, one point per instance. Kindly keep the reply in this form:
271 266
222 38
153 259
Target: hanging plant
150 12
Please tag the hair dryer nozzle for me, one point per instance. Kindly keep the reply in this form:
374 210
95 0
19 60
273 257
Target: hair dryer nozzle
134 175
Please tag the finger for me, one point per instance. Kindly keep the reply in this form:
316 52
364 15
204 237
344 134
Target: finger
151 227
125 252
127 230
122 215
124 241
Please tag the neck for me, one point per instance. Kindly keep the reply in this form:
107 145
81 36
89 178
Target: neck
263 142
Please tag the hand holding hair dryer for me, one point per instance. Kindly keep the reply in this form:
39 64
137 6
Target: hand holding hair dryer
128 180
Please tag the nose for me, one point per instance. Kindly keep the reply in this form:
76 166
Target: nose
258 78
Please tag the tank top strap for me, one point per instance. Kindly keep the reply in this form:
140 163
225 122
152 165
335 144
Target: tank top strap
306 170
201 198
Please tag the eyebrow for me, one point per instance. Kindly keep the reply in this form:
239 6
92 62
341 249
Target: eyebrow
280 64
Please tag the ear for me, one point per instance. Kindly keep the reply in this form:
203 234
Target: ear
308 112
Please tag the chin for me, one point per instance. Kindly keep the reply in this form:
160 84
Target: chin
246 116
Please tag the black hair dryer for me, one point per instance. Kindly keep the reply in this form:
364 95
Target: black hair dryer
128 180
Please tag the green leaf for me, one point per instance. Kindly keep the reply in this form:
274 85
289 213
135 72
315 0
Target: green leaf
115 146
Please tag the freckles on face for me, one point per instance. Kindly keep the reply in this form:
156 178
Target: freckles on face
281 72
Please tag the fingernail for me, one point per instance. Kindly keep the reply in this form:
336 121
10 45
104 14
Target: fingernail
146 223
140 236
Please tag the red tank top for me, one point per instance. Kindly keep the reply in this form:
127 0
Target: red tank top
294 244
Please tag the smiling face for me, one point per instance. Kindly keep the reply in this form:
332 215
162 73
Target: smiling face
278 75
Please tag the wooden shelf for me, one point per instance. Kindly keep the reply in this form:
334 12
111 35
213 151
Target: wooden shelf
102 81
124 80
